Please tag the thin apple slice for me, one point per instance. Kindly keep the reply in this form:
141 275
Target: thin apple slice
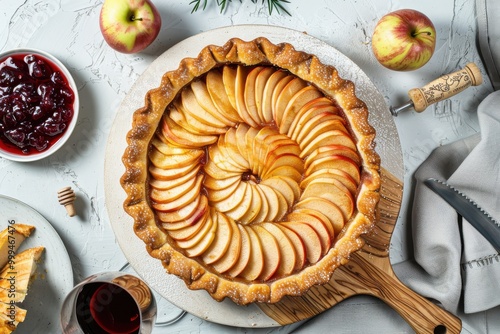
318 222
191 105
271 252
293 185
202 95
185 229
320 104
222 240
234 201
189 231
191 124
263 213
319 124
245 205
286 159
169 184
282 187
286 250
288 171
230 258
337 174
333 191
241 142
255 205
241 108
269 89
249 144
244 256
231 157
309 237
325 206
255 265
298 100
229 80
181 137
249 94
217 195
168 195
260 146
334 137
215 86
232 151
282 95
278 204
219 184
336 162
183 200
216 155
324 151
170 174
210 168
201 246
260 85
298 246
192 242
162 145
161 160
184 212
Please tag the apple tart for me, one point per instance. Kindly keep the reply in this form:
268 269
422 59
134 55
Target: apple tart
251 171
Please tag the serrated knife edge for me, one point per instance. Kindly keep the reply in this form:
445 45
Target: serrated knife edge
469 209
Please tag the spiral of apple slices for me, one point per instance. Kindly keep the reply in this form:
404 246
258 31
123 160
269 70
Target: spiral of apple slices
253 172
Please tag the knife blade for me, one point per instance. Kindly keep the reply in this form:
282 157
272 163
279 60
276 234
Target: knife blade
468 209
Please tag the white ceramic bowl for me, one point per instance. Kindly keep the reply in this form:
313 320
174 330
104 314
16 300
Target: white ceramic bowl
33 156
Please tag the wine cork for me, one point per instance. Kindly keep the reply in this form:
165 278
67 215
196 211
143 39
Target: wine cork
66 197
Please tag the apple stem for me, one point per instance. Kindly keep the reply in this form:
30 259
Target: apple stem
422 32
133 18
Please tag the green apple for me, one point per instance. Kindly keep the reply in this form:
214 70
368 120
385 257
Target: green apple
404 40
129 26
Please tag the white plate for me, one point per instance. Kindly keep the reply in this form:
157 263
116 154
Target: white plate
172 288
54 274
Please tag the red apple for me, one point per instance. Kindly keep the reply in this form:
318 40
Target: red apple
129 26
404 40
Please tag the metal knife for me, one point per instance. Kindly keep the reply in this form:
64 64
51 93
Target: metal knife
470 210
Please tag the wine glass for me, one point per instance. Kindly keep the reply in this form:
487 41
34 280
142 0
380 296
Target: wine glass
109 302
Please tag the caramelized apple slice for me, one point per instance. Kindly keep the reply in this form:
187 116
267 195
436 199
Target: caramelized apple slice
244 257
229 80
229 259
190 220
318 105
282 187
325 206
181 137
192 242
318 222
192 124
169 184
181 201
201 246
337 174
215 87
241 108
202 95
329 150
169 195
249 95
238 211
298 246
284 91
189 231
161 144
278 205
286 250
220 245
232 202
336 162
334 137
318 124
271 252
309 237
260 89
271 86
255 205
184 212
255 265
298 100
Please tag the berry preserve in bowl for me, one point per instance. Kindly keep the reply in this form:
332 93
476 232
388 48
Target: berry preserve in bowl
38 104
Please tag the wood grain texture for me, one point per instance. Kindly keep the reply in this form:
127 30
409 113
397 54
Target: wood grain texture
369 272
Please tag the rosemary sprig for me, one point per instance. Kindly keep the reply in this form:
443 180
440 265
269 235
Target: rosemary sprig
271 5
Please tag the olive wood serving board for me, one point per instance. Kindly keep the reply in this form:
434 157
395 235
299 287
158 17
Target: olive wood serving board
369 272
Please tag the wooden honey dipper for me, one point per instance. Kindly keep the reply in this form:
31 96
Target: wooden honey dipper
66 197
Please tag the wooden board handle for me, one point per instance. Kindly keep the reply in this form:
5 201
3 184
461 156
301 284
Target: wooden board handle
421 314
445 87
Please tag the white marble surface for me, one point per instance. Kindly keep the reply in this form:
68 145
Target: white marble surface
69 30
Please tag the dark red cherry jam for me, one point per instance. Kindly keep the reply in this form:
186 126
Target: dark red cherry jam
36 104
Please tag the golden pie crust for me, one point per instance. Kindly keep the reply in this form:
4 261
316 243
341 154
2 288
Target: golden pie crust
207 127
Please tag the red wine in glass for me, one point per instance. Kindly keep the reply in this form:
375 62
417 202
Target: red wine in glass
108 309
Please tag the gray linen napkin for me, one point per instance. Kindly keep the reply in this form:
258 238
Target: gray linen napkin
452 259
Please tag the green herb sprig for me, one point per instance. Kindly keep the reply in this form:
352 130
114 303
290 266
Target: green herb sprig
271 5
